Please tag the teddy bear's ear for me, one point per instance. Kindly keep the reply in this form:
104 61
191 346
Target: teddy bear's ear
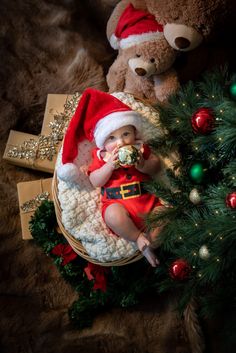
182 37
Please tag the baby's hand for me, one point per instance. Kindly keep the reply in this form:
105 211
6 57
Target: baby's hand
140 162
113 159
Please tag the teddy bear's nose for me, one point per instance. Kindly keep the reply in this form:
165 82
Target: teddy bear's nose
140 71
182 43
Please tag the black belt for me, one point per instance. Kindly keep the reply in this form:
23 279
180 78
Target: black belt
125 191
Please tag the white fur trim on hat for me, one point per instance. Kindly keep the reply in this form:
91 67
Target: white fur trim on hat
114 42
114 121
140 38
68 172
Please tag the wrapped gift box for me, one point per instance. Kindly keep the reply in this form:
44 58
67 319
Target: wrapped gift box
30 195
58 112
31 151
40 152
55 107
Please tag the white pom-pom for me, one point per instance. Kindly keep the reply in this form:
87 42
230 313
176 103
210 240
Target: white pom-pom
114 42
68 172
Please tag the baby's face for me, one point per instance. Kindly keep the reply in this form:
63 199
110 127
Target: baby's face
126 135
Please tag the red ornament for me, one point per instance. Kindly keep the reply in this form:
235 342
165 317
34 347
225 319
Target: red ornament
231 200
203 121
65 251
180 269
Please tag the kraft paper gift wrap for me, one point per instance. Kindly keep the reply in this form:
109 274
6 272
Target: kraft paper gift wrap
31 151
30 196
55 106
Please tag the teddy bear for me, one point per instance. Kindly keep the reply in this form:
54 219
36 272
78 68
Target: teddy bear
195 29
144 63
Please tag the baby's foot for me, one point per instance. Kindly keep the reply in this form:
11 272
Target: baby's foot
144 246
151 257
142 241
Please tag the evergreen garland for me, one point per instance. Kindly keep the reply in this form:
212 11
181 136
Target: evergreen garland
126 285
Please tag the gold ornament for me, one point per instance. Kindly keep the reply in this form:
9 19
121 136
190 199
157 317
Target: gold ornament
128 155
204 252
195 197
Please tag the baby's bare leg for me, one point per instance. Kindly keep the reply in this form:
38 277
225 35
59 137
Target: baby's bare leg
118 220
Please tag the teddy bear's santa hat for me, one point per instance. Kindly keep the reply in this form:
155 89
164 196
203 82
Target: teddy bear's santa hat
135 26
98 114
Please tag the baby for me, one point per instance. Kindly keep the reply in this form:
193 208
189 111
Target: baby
123 209
112 124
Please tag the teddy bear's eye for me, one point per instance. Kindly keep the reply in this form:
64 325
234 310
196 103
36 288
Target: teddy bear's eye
152 60
138 55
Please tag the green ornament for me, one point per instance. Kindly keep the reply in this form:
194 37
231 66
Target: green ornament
232 90
197 172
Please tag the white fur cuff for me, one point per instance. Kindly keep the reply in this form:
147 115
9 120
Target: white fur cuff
114 42
68 172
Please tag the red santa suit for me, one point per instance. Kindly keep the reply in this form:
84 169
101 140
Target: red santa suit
125 186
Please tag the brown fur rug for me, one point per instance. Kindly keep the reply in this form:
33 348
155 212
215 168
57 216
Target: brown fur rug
58 46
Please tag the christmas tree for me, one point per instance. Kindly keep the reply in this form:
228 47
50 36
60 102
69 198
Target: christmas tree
198 241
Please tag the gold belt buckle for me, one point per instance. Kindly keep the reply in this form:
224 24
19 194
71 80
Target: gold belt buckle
123 191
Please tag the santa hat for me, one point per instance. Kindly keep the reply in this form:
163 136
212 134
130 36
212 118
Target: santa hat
98 114
135 26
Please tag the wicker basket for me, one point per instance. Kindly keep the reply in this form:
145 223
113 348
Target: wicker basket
75 243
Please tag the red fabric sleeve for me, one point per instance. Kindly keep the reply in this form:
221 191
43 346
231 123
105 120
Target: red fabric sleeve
96 162
146 152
